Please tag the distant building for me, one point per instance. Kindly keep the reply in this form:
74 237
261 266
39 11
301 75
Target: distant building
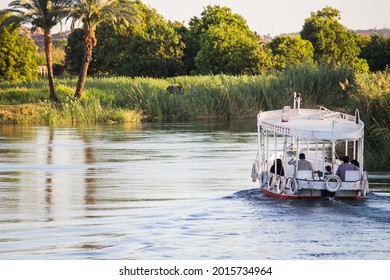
42 70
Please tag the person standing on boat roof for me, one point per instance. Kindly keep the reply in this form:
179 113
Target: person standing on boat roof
303 164
279 168
344 167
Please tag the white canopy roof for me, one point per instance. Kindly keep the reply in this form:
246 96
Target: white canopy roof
321 124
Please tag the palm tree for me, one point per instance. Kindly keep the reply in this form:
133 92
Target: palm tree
91 13
43 14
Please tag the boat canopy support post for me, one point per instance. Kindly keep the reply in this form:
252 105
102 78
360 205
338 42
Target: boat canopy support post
276 152
267 137
360 154
259 144
284 150
297 157
333 155
323 160
307 149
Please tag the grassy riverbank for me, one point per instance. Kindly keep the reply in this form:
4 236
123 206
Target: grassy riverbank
204 97
123 99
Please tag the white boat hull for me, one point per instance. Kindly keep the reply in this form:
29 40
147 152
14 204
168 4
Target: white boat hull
290 188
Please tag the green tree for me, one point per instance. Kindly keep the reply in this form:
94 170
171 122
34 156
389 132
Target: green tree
153 47
108 54
214 16
154 52
332 42
190 50
18 55
74 50
377 52
147 46
223 42
290 50
224 48
42 14
91 13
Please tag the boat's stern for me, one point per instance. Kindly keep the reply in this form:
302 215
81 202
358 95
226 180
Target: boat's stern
295 188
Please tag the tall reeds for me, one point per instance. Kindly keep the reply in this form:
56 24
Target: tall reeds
372 98
201 97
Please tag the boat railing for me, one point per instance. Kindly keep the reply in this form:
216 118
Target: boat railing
325 113
276 128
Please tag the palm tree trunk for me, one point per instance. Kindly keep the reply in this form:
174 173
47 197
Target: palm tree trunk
49 63
89 44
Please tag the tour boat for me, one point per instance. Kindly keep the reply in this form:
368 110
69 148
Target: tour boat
323 137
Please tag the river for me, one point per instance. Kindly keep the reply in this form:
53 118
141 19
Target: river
167 191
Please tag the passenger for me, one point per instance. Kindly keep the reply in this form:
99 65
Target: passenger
328 170
355 162
279 168
303 164
344 167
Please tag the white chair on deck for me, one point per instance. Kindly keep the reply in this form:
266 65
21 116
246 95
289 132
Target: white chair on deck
305 174
352 175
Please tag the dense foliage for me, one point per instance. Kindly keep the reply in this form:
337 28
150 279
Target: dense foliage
148 46
289 50
377 52
223 43
17 56
43 15
74 50
332 42
155 49
219 41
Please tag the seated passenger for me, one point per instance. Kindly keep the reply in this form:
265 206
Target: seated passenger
303 164
279 170
344 167
355 162
328 170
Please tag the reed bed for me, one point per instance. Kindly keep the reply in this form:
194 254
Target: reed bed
201 97
372 98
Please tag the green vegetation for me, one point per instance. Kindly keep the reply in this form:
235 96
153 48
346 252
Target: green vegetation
376 50
288 50
44 15
214 96
17 56
332 42
91 13
224 43
129 38
372 98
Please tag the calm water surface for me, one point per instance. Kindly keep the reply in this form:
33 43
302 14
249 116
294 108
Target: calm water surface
173 191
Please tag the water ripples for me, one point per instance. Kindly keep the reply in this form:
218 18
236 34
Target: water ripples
179 191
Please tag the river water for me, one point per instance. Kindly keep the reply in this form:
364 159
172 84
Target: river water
167 191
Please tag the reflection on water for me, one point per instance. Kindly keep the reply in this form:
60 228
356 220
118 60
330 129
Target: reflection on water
160 191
